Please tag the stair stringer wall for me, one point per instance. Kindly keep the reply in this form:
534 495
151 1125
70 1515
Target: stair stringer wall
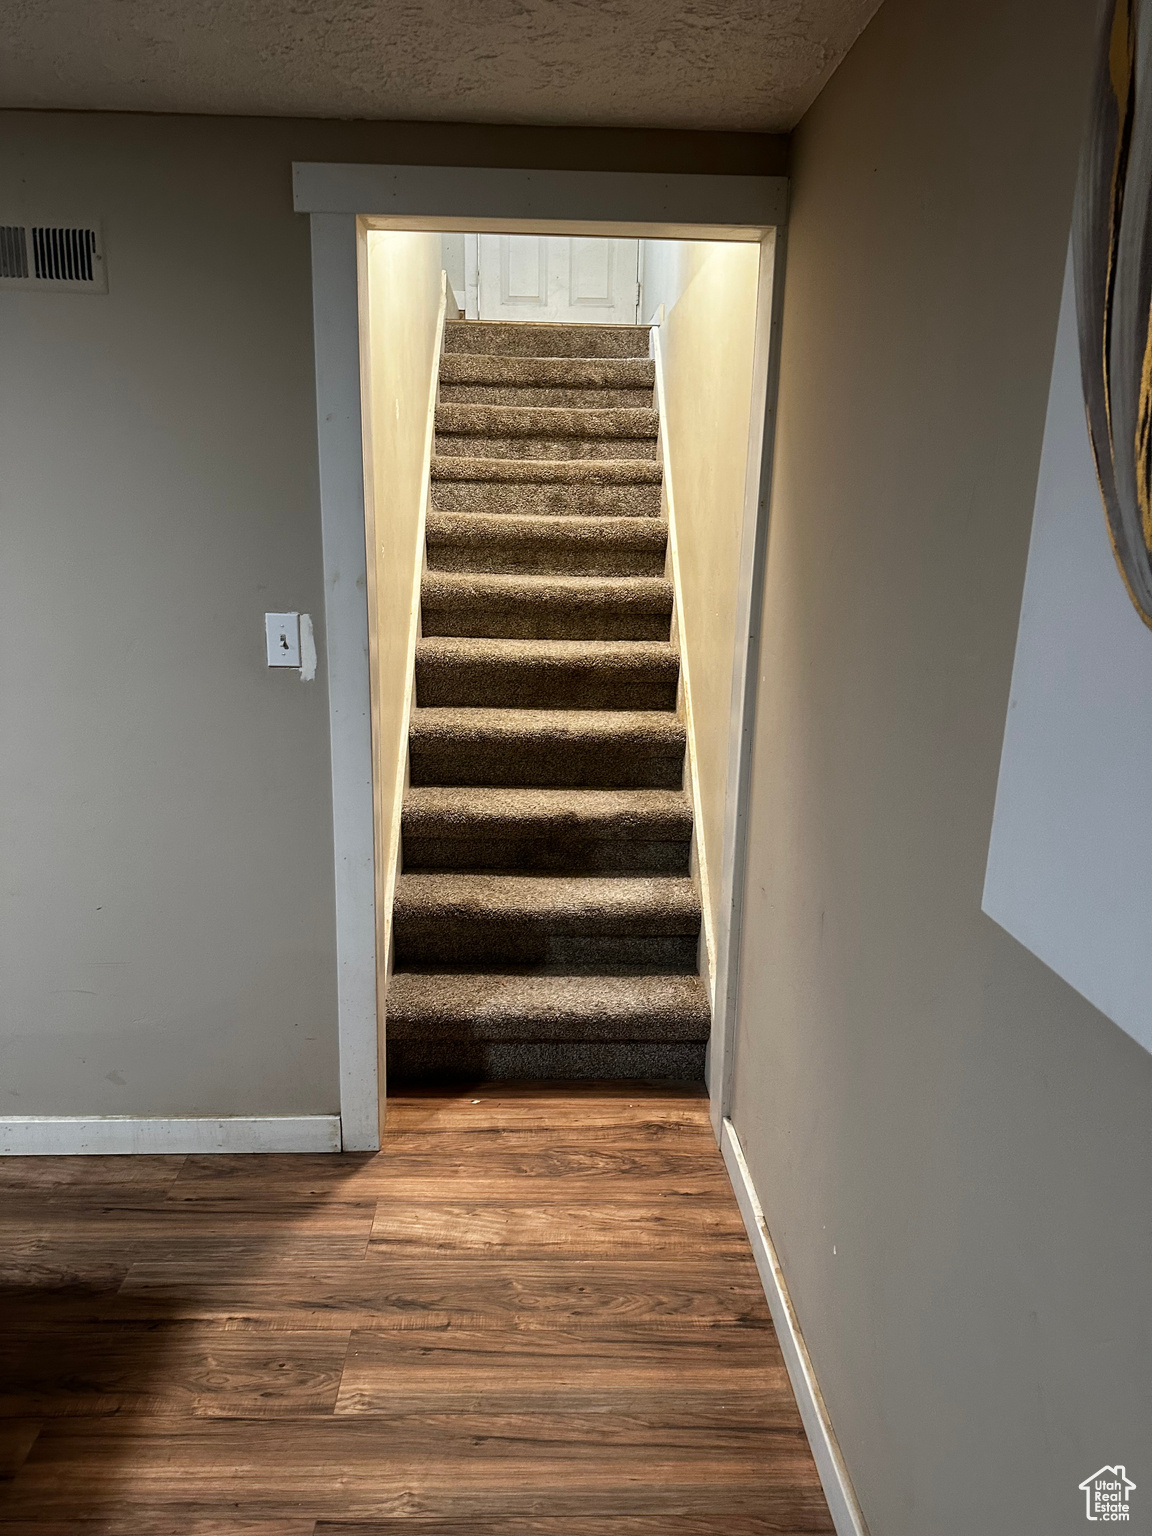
393 783
699 866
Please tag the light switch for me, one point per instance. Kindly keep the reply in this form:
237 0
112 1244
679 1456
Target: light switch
283 634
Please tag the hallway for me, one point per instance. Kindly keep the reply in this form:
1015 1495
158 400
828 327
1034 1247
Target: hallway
535 1311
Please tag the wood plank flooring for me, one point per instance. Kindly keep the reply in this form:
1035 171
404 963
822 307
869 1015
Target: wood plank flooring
534 1313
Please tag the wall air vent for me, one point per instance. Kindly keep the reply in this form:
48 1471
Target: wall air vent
61 258
13 251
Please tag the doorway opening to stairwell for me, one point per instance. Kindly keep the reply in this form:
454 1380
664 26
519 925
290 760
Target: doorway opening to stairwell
562 441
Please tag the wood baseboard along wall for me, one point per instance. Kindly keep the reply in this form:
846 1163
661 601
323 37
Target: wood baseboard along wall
846 1514
95 1135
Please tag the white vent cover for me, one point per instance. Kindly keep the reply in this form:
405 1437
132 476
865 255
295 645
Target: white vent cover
63 258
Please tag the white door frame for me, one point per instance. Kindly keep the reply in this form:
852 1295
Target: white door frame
339 198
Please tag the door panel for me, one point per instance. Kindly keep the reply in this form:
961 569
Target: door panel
590 272
523 272
557 277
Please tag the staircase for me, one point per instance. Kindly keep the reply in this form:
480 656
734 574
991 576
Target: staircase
545 925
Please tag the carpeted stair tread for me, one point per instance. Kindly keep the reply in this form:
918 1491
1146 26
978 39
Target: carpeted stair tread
492 1007
518 338
546 747
548 433
577 831
556 498
575 472
589 373
578 905
602 728
552 925
602 813
546 606
546 450
516 421
545 394
432 1062
469 378
533 674
504 545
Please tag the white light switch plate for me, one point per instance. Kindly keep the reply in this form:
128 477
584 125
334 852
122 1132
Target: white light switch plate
283 634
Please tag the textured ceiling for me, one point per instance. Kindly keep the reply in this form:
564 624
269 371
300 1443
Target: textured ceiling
734 64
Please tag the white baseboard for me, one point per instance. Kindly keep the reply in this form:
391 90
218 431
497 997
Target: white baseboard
842 1505
72 1136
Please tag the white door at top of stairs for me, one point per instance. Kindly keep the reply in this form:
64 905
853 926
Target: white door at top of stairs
569 278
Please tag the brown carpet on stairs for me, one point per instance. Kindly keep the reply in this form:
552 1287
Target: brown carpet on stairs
545 925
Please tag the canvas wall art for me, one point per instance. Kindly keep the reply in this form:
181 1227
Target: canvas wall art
1069 870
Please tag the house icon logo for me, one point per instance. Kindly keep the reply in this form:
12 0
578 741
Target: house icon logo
1106 1494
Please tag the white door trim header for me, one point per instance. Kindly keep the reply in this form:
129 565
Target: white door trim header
689 206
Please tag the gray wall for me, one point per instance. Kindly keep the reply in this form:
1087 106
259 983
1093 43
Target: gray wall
952 1147
168 923
166 915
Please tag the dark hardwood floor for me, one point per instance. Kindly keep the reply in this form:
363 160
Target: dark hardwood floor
535 1313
